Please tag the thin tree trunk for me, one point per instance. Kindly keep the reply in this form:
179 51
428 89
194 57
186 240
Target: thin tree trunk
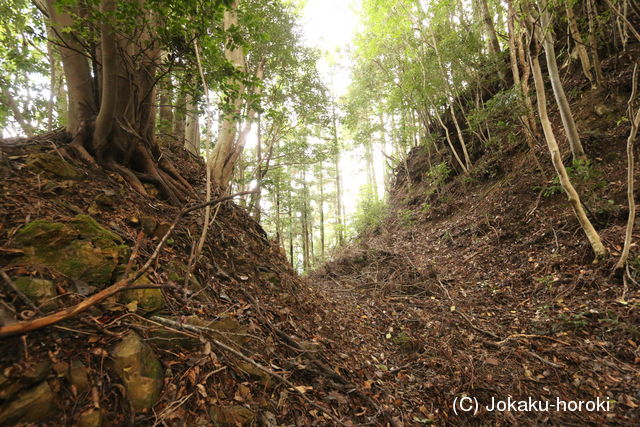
556 158
7 99
451 100
192 128
635 123
518 83
558 91
321 203
290 215
526 74
448 136
336 158
180 116
593 44
494 44
580 46
52 82
166 107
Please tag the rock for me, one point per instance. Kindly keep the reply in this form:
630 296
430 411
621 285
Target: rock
177 271
254 373
33 405
40 291
80 249
161 229
225 330
149 224
78 376
90 418
148 299
53 164
7 315
140 370
103 201
231 416
35 373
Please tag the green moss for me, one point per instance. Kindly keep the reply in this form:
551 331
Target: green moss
80 249
90 229
40 291
148 299
54 165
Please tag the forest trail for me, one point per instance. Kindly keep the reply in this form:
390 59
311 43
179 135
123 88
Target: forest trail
452 305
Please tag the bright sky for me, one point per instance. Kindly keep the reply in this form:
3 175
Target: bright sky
330 25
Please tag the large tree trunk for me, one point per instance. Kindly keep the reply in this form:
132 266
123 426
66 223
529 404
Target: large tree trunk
224 153
112 108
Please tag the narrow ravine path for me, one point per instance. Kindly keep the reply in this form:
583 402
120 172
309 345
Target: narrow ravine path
462 306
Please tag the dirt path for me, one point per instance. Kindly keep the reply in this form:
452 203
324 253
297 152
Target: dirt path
491 307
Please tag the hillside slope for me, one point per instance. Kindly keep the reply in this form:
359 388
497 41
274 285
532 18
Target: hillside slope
234 345
484 286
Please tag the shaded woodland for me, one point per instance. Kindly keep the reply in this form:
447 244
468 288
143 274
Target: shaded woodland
197 229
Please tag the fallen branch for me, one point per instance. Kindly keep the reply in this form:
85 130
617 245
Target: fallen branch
223 346
41 322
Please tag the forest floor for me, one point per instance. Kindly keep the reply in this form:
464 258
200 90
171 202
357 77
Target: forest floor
484 288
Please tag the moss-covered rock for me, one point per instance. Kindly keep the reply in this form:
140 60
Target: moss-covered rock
54 165
33 405
161 229
78 376
231 416
40 291
148 300
149 224
140 370
90 418
80 249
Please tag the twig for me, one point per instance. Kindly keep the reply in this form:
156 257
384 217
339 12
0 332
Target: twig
15 289
134 253
236 353
543 360
22 327
465 317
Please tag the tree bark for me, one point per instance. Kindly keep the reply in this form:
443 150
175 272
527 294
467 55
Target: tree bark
222 158
556 158
494 44
192 128
112 108
558 91
580 46
635 123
